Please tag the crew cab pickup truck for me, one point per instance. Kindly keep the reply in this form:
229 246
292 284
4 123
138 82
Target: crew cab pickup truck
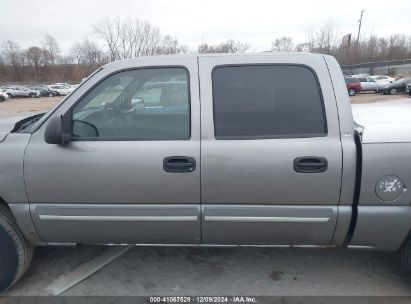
205 150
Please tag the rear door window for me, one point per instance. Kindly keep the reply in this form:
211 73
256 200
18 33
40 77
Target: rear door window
267 101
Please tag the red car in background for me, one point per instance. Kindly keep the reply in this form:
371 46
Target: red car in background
353 85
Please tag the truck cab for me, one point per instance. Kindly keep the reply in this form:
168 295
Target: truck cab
206 150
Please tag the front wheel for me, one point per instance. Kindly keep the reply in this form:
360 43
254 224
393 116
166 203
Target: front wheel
393 91
10 95
352 92
15 254
32 95
51 94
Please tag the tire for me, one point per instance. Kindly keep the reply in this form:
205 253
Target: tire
10 95
15 254
50 94
32 95
393 91
405 256
352 92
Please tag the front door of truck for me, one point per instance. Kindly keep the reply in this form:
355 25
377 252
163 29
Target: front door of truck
271 151
131 173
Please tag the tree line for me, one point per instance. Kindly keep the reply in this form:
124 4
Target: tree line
131 38
346 48
122 39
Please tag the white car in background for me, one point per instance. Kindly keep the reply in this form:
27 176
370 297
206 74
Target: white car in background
66 85
383 78
369 84
3 96
20 91
60 89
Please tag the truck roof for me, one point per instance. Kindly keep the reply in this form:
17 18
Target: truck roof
288 54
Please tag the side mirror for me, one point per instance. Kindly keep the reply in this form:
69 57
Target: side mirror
58 130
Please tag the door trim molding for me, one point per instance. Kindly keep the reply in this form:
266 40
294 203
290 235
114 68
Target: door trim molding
110 218
275 219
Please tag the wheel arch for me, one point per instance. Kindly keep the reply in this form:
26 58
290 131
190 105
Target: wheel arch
21 213
17 252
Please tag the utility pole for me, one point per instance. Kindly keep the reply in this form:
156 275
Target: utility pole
359 27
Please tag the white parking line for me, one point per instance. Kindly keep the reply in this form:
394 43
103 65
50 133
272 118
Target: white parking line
82 272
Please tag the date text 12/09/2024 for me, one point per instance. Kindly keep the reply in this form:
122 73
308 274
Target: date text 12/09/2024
204 299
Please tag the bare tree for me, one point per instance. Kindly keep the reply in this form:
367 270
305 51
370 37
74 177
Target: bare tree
283 44
12 56
108 31
170 45
228 46
35 58
88 52
52 48
303 47
325 40
132 38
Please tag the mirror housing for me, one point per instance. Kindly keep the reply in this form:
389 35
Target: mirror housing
58 130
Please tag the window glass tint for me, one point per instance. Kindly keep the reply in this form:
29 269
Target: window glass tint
266 102
144 104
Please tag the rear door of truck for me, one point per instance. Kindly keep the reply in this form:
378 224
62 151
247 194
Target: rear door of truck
271 157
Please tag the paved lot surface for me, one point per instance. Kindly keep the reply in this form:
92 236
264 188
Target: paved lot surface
215 271
222 271
372 97
20 106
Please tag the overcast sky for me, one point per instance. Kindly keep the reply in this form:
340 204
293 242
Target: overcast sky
192 21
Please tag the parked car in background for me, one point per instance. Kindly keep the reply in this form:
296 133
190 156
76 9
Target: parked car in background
66 85
383 78
45 91
60 89
396 87
21 91
353 85
3 96
359 75
368 84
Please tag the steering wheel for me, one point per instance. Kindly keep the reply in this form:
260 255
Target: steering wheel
112 106
115 124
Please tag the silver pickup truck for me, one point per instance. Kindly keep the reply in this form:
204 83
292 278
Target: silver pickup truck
206 150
